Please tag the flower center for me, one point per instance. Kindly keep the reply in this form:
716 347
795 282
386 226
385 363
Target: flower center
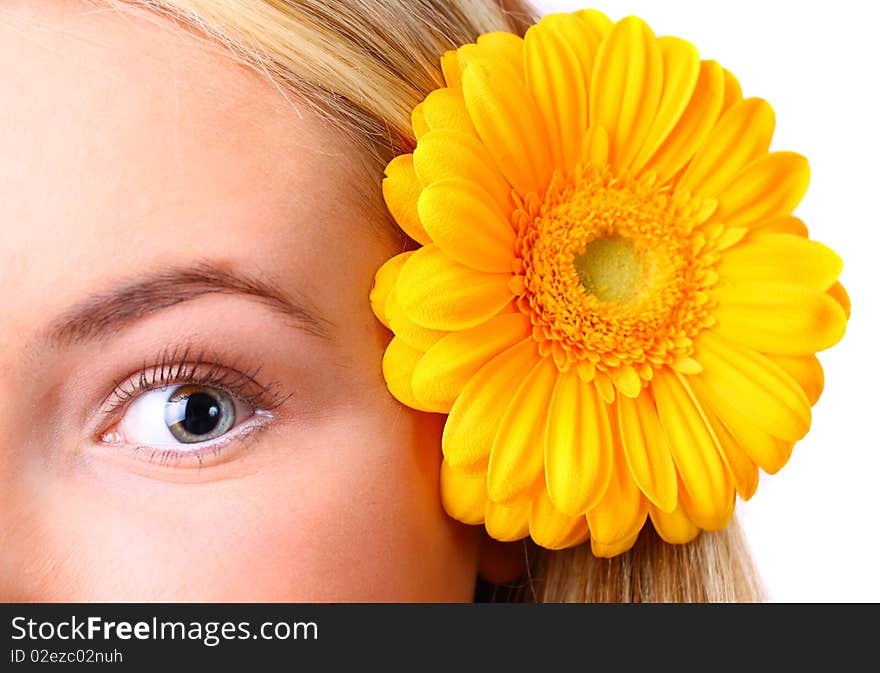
610 268
614 271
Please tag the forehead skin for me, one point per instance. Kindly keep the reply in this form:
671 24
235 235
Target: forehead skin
135 127
129 146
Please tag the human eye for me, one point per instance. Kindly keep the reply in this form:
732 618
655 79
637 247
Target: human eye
186 411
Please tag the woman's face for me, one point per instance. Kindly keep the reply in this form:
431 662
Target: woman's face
191 398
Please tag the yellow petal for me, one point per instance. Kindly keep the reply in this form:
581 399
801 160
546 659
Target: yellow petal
463 495
509 522
673 527
401 191
742 134
604 386
839 294
806 370
686 365
444 109
756 387
449 153
769 187
626 85
558 85
714 521
500 44
778 318
508 122
596 22
476 414
760 446
693 445
450 68
417 121
516 462
451 362
383 283
742 468
626 380
582 33
610 550
787 224
728 238
552 529
693 126
647 451
681 69
440 293
416 336
781 258
786 448
578 454
619 515
397 367
732 91
466 224
594 148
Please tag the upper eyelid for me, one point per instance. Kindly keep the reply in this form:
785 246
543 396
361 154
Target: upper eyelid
169 370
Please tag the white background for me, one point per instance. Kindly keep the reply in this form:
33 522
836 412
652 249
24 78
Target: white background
812 527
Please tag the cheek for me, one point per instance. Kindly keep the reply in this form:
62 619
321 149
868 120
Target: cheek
352 514
379 518
363 519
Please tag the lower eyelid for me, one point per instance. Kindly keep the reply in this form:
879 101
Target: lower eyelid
207 453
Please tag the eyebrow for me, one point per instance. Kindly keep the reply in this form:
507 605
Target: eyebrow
110 311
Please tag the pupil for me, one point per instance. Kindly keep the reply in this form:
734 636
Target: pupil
202 414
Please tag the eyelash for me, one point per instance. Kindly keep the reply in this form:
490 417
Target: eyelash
174 368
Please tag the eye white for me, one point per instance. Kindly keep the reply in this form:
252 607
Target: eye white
144 421
151 419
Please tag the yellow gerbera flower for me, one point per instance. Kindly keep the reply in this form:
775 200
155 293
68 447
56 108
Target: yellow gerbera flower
612 301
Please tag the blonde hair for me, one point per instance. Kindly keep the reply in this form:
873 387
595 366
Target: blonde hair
363 65
714 568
